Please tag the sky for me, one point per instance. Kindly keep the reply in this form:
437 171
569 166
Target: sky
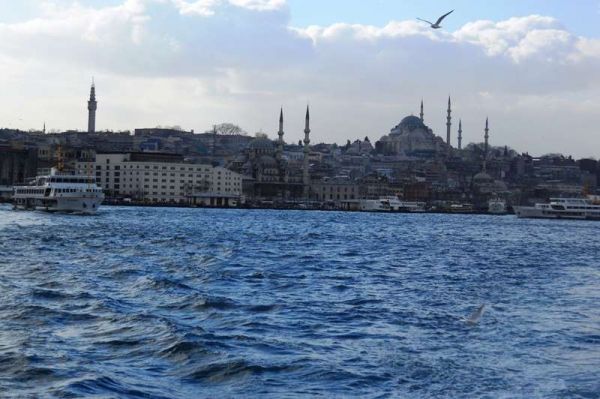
531 66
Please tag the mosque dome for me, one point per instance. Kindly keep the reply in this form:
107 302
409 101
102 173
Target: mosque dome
261 143
482 177
408 124
411 122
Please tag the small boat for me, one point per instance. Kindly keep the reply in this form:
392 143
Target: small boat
59 192
562 208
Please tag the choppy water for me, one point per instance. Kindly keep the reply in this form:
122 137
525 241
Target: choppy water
182 303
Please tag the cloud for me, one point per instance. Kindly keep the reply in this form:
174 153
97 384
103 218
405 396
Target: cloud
240 59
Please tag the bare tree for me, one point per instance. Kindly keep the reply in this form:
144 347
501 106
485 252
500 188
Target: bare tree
229 129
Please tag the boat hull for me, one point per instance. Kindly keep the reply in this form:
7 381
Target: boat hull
80 205
530 212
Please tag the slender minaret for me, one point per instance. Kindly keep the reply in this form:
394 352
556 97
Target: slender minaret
460 134
448 122
305 174
280 134
486 137
92 106
485 145
422 114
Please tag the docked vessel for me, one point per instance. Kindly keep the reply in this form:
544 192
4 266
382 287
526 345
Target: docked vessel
397 205
59 192
562 208
372 205
497 206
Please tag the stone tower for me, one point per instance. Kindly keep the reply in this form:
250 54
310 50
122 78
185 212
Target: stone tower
92 106
280 134
486 145
305 166
486 137
448 122
460 134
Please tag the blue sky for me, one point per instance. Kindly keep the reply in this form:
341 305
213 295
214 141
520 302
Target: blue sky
580 16
532 66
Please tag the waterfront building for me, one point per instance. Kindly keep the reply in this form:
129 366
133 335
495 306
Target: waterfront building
335 190
163 178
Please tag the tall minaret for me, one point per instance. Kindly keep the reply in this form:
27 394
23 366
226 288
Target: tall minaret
487 136
305 166
422 114
460 134
280 134
92 106
448 122
485 145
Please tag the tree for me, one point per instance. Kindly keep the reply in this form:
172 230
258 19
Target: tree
229 129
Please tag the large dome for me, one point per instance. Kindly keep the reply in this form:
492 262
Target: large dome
411 122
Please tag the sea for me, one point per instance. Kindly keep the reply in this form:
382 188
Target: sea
211 303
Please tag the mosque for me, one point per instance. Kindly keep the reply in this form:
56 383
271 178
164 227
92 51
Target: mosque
274 174
413 138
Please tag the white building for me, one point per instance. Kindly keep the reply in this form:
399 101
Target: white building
164 178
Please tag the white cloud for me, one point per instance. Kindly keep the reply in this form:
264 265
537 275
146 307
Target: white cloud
240 59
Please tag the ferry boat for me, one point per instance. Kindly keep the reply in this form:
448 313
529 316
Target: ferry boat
59 192
378 205
397 205
562 208
497 206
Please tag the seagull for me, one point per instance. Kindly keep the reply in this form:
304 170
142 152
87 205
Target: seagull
437 23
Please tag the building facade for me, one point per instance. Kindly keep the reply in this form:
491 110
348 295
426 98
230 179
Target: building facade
163 178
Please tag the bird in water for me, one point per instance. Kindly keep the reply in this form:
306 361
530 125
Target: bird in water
476 315
438 22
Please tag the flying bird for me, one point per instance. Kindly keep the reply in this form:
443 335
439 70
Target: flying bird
437 23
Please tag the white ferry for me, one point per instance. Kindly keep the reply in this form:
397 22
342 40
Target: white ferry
397 205
497 206
562 208
378 205
60 192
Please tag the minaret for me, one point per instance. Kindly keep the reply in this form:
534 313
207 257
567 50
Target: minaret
422 115
460 134
448 122
92 106
305 174
487 136
485 145
280 134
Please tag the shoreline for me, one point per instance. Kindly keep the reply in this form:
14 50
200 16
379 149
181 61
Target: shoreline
169 205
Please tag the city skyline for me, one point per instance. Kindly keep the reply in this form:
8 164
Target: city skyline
195 64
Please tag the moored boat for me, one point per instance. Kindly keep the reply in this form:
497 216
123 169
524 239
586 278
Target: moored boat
562 208
59 192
